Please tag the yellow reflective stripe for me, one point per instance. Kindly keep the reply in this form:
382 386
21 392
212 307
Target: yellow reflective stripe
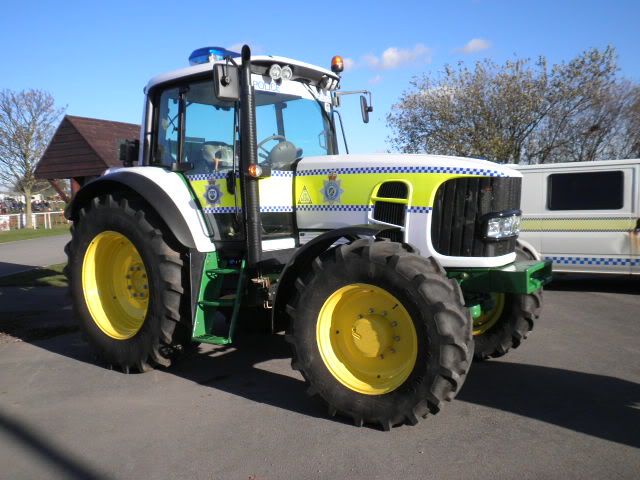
276 191
359 188
570 224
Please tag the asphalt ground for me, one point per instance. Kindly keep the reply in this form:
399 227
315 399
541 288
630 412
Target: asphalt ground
566 404
25 255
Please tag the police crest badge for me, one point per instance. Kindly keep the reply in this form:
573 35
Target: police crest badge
213 194
331 190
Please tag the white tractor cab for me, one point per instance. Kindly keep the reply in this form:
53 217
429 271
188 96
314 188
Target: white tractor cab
386 271
584 216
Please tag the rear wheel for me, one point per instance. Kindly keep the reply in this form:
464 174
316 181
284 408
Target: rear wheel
506 320
125 275
380 333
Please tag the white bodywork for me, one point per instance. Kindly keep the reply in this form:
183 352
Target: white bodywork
174 186
582 240
351 210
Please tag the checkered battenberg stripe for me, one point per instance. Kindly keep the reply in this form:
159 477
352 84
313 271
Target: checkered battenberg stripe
206 176
618 262
391 169
220 175
313 208
334 208
419 209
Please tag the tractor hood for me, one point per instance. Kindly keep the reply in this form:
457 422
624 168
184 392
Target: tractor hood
392 163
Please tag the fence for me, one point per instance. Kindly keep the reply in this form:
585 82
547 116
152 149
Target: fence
16 221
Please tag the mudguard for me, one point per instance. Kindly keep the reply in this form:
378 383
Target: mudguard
305 255
165 192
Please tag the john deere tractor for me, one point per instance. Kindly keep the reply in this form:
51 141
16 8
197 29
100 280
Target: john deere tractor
385 271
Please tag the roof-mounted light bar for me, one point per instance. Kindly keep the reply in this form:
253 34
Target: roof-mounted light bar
210 54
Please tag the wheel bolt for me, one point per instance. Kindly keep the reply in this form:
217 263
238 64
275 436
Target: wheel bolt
394 324
146 286
135 294
384 313
396 338
128 276
359 316
144 275
371 310
393 350
129 287
138 268
381 356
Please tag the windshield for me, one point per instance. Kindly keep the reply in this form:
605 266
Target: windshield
289 127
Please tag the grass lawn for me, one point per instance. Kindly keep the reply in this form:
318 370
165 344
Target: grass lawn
50 276
28 233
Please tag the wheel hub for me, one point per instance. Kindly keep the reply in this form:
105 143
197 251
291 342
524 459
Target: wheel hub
372 335
367 339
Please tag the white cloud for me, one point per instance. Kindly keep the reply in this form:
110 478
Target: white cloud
376 80
349 64
394 57
474 45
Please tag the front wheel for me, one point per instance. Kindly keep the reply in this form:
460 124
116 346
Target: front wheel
506 320
380 333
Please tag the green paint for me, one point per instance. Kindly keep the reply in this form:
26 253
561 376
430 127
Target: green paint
476 311
520 277
209 300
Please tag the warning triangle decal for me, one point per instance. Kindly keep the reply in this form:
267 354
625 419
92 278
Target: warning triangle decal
305 198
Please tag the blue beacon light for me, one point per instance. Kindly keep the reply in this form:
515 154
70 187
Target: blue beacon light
210 54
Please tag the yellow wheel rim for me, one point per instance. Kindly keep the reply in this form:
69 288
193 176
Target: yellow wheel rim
115 285
367 339
489 317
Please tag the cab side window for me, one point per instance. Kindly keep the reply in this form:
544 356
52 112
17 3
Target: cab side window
165 150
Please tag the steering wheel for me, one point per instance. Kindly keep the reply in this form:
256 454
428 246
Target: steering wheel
265 155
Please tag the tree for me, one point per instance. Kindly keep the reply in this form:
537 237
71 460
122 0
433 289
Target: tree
27 121
521 111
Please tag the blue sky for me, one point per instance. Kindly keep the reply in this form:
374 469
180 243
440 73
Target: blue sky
96 56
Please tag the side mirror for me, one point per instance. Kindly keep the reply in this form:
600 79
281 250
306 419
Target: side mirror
365 108
226 82
128 150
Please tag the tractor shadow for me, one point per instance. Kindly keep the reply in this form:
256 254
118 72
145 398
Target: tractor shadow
600 406
595 283
238 370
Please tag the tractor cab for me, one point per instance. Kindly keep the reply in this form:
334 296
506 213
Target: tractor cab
195 127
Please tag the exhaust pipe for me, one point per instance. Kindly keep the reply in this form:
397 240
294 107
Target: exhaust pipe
249 156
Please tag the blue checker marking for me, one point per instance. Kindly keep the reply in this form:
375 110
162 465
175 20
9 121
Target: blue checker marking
207 176
281 173
334 208
277 208
419 209
221 209
616 262
391 169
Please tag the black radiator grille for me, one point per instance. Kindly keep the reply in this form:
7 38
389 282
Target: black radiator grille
458 207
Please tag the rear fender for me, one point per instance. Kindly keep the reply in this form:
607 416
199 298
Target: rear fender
163 190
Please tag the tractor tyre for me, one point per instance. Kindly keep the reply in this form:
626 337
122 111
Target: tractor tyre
508 323
379 333
126 279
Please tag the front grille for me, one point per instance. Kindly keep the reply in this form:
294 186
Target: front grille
458 207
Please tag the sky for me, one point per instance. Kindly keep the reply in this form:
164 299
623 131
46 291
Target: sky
95 57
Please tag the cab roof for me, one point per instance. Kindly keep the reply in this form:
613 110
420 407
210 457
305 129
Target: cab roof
306 69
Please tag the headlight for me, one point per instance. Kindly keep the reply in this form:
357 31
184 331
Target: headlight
502 225
275 72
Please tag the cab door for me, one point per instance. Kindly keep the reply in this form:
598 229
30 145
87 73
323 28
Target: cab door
196 129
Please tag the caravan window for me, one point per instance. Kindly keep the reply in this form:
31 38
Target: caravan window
586 191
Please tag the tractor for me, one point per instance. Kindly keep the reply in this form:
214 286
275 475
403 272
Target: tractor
386 272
